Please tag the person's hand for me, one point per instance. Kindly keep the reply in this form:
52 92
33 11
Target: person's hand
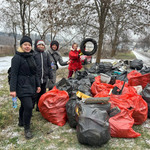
13 94
38 90
68 62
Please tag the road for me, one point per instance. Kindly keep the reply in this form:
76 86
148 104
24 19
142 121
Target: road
145 59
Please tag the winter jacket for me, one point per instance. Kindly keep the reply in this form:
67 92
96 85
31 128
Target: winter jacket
75 63
58 58
43 62
22 81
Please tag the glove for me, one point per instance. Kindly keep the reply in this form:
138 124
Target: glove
81 54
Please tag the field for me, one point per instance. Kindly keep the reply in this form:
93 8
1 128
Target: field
48 136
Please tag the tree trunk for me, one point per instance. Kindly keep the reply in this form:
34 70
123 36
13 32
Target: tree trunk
102 13
100 43
29 19
115 39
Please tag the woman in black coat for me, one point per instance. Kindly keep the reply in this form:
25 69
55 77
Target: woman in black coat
24 82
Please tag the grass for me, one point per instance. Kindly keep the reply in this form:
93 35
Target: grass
48 136
125 55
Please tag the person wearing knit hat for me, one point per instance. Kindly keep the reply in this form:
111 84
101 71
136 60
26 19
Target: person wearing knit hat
55 57
54 45
25 39
44 70
24 82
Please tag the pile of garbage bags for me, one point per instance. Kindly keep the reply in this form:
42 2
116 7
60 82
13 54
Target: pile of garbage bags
125 83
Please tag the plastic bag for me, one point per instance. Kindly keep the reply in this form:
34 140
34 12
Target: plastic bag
121 125
70 108
52 106
98 87
64 85
146 96
133 73
93 125
136 64
145 70
122 76
140 80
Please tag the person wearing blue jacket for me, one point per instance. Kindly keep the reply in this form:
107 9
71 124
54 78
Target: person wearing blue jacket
24 82
44 70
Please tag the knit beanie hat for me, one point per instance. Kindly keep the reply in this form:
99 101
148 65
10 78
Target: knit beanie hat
25 39
56 43
40 42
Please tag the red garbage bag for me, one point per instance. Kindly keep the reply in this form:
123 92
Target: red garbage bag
52 106
133 73
130 99
121 125
140 109
103 94
139 80
98 87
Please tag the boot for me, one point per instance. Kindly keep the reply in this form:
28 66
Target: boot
20 124
37 108
27 131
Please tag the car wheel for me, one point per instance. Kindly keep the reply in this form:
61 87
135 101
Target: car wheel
88 53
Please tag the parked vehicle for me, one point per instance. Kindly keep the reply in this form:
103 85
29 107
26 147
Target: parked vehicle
145 49
86 59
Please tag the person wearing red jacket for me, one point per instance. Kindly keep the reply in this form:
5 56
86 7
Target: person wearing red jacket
74 57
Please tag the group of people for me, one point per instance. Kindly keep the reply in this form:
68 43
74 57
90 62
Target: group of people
32 71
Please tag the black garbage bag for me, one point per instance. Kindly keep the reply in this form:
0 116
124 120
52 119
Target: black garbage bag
146 96
108 66
64 85
93 125
83 85
122 76
145 70
91 78
136 64
80 74
97 68
70 108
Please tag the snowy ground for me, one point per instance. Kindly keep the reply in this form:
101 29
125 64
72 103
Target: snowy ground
5 62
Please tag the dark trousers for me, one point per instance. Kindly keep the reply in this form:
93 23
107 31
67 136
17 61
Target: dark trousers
43 90
25 111
70 73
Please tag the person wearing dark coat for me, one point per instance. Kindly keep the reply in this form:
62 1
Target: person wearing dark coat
24 82
43 66
55 57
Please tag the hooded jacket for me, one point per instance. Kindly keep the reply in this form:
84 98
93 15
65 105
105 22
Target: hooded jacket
23 81
43 64
75 63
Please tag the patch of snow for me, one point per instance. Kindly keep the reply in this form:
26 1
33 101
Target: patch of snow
9 132
55 137
51 147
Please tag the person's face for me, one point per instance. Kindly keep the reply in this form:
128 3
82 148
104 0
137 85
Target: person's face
26 47
54 47
40 46
75 46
